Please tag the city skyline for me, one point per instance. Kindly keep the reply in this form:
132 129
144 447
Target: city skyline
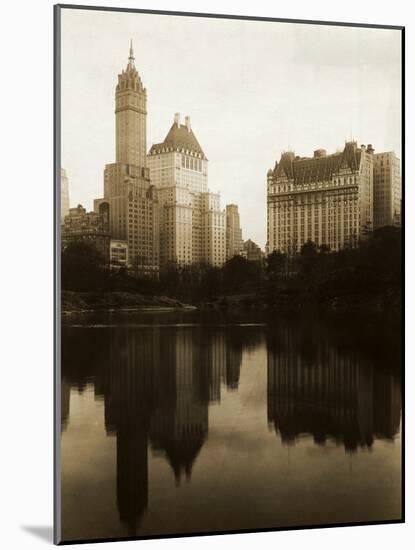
164 418
224 100
230 335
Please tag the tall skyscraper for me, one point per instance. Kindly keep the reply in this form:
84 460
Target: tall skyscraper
133 203
327 199
233 231
192 225
387 190
64 194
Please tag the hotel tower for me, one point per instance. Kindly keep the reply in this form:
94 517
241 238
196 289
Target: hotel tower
192 225
327 199
132 200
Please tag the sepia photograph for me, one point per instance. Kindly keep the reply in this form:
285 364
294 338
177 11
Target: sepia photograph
229 274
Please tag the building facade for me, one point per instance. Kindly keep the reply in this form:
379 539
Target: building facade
192 225
387 190
233 232
64 194
119 254
252 252
89 227
132 200
327 199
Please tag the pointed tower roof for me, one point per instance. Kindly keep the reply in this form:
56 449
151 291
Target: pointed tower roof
350 156
180 136
131 58
129 77
285 166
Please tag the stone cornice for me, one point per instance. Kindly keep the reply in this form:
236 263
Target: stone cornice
130 108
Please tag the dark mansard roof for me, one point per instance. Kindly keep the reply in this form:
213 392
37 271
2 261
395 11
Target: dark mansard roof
179 137
319 168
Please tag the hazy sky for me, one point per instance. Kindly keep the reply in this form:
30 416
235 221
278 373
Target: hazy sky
252 89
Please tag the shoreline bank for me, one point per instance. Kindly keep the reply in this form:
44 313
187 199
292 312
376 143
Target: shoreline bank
73 303
89 302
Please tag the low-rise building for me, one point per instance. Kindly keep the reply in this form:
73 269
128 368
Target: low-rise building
118 254
89 227
252 252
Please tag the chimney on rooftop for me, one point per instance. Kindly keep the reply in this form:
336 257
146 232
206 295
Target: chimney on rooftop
187 123
370 149
288 155
177 118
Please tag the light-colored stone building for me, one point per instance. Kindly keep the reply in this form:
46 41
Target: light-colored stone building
132 200
234 241
387 189
327 199
192 224
64 194
118 254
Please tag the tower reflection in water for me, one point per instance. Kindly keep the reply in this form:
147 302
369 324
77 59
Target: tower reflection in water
156 384
129 401
331 392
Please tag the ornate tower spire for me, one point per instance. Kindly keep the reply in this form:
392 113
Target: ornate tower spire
130 113
131 57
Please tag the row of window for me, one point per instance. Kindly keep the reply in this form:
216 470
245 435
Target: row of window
286 188
191 163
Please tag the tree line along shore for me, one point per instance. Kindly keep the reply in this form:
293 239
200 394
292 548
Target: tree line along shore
368 276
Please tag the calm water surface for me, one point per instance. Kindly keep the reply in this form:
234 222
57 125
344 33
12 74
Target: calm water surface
189 422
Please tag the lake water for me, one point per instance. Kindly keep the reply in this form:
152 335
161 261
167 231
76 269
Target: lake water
190 422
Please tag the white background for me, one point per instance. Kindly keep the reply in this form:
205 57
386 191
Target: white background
26 299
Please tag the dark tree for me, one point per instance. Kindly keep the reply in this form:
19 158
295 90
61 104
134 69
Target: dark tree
240 273
82 267
276 263
211 282
170 278
308 259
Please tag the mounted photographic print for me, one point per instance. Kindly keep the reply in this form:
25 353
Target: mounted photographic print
228 199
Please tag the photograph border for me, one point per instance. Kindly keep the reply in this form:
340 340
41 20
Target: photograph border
57 11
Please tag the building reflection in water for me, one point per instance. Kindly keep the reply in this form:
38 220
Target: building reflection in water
179 424
156 384
329 392
129 401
